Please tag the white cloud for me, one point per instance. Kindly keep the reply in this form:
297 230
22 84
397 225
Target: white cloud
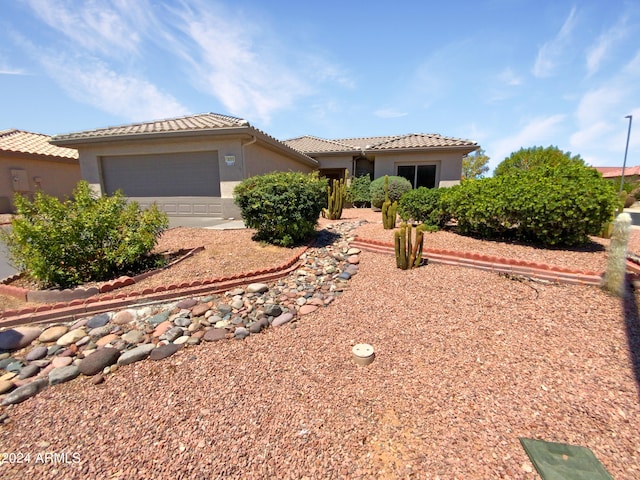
509 78
244 65
389 113
552 51
598 52
535 133
95 25
127 96
11 71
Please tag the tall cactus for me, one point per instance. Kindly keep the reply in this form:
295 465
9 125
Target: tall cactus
614 277
336 195
389 209
408 253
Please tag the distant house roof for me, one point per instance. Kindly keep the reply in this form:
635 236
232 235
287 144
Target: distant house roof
611 172
311 145
190 125
15 141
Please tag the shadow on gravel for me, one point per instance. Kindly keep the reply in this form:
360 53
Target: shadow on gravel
632 326
324 238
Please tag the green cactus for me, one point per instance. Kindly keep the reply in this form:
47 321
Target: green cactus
336 195
408 253
389 209
615 275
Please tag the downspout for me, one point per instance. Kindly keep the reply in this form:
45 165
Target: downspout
253 140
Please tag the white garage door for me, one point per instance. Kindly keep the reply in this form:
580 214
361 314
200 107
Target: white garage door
180 183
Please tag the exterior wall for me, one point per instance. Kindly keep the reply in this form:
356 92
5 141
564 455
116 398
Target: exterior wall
55 178
336 161
238 158
449 164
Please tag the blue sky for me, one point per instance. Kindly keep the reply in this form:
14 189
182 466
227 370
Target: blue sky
504 73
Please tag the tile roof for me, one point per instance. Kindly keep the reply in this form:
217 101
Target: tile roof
19 141
203 121
309 144
610 172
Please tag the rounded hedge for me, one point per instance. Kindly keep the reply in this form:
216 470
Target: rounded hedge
423 205
358 192
551 205
283 207
397 187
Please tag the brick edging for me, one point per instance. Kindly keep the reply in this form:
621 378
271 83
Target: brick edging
82 307
541 271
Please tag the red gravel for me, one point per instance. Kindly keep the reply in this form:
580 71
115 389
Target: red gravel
466 362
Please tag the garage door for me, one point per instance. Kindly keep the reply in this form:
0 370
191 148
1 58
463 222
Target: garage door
180 183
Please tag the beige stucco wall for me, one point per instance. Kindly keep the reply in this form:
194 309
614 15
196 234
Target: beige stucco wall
448 171
337 161
238 158
56 178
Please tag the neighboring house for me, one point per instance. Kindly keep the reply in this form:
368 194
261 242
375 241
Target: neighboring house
29 163
189 165
426 160
631 174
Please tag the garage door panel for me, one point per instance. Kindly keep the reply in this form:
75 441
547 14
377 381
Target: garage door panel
194 174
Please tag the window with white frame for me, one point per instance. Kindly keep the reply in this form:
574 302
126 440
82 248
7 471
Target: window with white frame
418 175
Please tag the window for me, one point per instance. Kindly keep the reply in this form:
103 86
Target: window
419 175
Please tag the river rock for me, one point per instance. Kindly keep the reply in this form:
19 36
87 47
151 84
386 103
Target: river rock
173 333
241 333
164 351
257 288
257 326
95 362
59 362
107 339
215 334
123 317
28 371
71 337
199 310
282 319
5 386
52 334
272 310
24 392
63 374
306 309
136 354
159 318
186 303
18 337
36 354
133 336
99 320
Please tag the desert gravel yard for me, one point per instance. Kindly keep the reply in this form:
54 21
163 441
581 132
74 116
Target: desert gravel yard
466 362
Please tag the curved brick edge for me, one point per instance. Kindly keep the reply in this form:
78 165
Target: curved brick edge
66 295
493 264
77 308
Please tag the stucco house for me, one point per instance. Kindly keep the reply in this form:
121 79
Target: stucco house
190 165
29 163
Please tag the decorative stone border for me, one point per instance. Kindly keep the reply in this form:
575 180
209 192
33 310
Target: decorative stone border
490 263
67 295
79 308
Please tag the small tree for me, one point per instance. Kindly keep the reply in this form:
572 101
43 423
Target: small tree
475 166
86 238
528 158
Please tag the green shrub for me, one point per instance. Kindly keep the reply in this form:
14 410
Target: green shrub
282 206
397 187
532 157
423 205
86 238
358 192
551 205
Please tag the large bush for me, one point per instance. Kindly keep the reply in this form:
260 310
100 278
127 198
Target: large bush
551 205
86 238
358 192
397 187
283 207
532 157
423 205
